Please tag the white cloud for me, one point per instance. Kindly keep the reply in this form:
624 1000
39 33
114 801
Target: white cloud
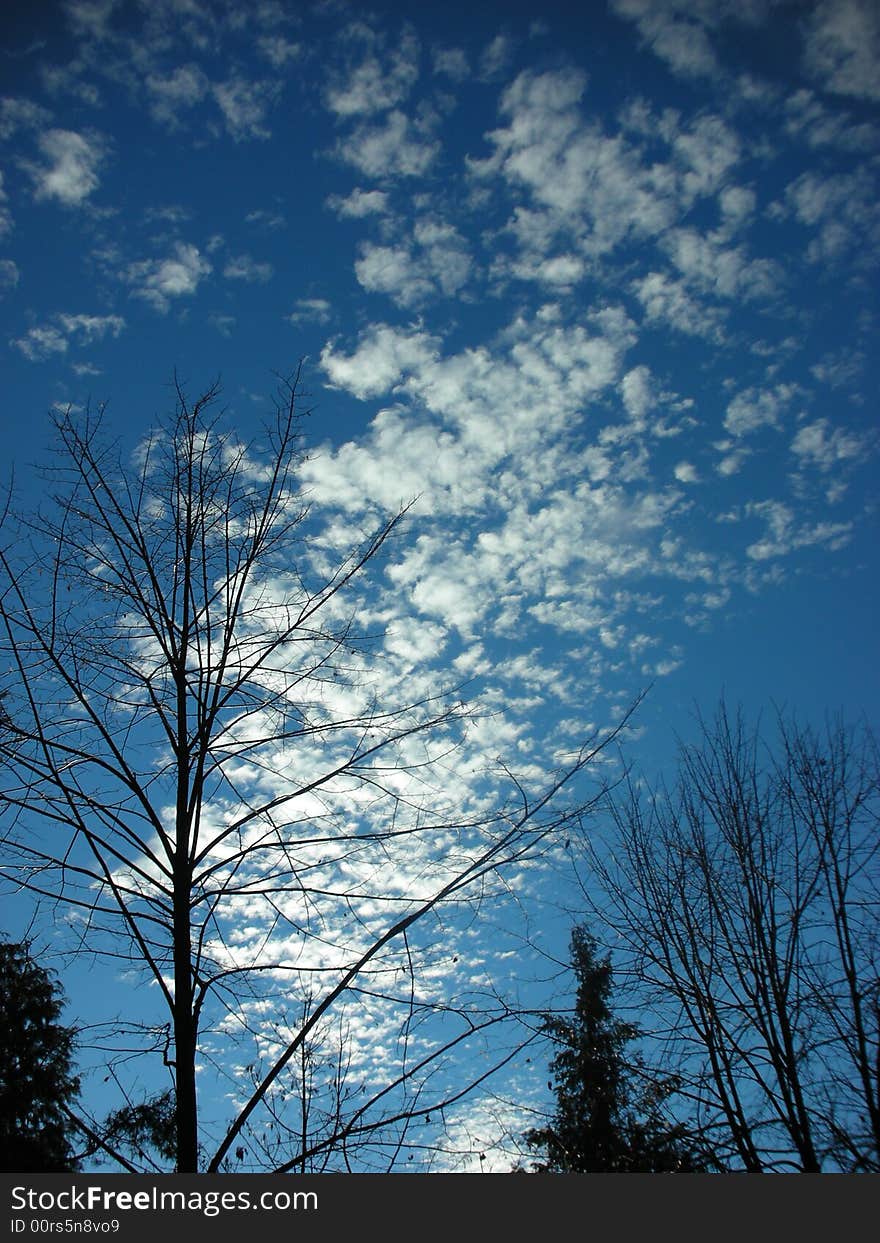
820 126
495 56
266 220
720 270
816 444
678 31
371 86
182 89
9 275
451 63
40 343
842 209
158 281
392 270
734 456
784 535
244 105
225 324
70 171
377 365
686 472
17 113
89 328
638 395
669 301
91 17
754 408
839 369
245 268
674 32
278 50
554 526
44 340
359 203
843 47
737 205
394 148
310 310
5 215
593 189
707 151
434 261
69 80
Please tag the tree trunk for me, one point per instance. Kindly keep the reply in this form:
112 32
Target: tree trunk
184 1036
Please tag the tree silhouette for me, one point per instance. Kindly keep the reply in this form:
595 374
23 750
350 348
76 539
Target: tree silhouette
743 903
199 769
37 1084
609 1114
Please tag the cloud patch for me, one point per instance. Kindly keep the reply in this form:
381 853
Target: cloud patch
379 80
842 48
55 337
160 281
68 172
397 147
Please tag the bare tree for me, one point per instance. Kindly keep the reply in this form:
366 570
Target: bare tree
744 906
201 778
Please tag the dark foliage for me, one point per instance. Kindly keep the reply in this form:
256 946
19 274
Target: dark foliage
148 1126
37 1084
608 1115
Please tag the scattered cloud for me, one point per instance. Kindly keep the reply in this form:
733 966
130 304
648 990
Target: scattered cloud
21 114
668 301
675 31
311 310
588 193
723 271
807 118
637 391
245 268
176 93
91 18
686 472
435 260
379 80
379 361
451 63
69 171
819 445
397 147
495 57
842 211
225 324
279 51
359 203
842 47
785 535
682 32
600 298
5 214
268 221
244 105
9 275
159 281
756 407
43 340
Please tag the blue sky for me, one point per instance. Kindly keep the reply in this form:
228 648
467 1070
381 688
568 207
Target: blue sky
596 283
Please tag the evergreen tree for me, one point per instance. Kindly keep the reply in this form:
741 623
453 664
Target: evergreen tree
608 1116
36 1079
